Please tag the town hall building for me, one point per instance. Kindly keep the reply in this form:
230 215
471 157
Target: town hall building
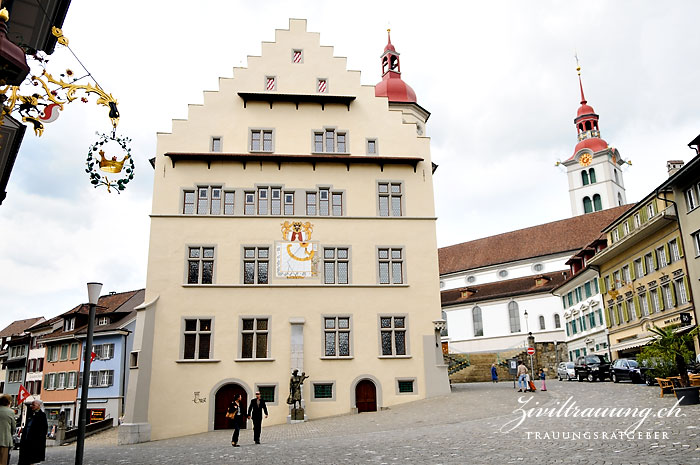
293 227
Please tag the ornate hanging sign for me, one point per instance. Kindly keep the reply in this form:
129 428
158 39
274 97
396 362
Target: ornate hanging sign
297 254
100 161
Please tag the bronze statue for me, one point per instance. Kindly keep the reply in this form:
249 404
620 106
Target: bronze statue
295 383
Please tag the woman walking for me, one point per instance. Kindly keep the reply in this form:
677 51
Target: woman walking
494 374
234 414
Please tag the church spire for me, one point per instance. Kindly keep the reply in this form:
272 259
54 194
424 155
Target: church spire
580 84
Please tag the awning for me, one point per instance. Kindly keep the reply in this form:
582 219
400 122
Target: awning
631 344
684 329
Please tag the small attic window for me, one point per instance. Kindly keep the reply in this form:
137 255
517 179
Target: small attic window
297 56
69 324
465 294
322 85
541 281
270 83
102 320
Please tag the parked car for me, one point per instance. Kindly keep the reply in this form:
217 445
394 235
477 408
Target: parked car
565 370
625 368
591 367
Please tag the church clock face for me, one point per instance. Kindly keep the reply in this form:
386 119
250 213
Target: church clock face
585 159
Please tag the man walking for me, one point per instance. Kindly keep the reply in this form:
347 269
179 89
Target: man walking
255 411
32 446
522 377
7 428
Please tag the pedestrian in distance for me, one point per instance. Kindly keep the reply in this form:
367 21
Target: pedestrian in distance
32 445
494 374
522 377
542 377
234 414
255 411
7 428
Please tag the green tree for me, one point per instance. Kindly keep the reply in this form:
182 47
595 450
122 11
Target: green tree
669 353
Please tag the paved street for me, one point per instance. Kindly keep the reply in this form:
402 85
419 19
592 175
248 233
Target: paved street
464 427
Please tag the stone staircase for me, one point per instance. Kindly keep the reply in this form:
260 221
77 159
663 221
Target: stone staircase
476 367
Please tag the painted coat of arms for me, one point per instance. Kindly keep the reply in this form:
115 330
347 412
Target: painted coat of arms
296 253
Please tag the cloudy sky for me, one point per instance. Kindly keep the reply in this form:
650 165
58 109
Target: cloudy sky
498 77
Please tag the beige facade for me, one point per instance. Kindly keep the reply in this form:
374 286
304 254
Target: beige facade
644 279
269 252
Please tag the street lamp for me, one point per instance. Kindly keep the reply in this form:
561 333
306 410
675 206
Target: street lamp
527 326
93 296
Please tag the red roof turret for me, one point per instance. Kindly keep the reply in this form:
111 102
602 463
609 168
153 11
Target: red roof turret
392 86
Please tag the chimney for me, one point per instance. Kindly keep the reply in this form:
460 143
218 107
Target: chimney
673 166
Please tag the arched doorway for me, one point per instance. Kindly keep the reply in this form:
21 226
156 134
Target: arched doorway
224 397
366 396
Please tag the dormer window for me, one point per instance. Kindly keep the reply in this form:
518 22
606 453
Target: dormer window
69 324
102 320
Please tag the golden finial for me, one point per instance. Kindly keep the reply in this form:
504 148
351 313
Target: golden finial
4 15
578 66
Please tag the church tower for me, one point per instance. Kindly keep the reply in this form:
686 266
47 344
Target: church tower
595 177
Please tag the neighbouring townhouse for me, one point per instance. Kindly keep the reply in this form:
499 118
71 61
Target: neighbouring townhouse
643 274
112 343
15 328
63 363
17 345
293 227
684 181
583 305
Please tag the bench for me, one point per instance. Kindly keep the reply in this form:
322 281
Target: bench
694 380
664 384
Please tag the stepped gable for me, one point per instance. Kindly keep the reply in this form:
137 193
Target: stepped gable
502 289
567 235
19 326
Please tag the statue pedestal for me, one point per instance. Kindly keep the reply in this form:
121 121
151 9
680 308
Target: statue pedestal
296 415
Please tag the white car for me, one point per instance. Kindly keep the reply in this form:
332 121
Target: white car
565 370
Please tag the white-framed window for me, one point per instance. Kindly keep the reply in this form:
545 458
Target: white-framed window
631 309
61 384
654 297
637 220
390 265
661 258
681 292
106 378
72 382
691 198
94 380
263 197
615 235
638 268
643 304
74 350
104 351
205 200
405 385
18 351
50 381
557 320
255 337
69 324
324 202
256 264
390 196
102 320
392 331
674 250
667 294
14 376
330 141
200 265
477 321
215 144
616 278
64 352
626 276
336 265
625 228
336 336
197 339
261 140
649 263
651 210
371 146
696 242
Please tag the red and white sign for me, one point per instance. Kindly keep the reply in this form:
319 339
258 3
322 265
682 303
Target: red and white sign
270 83
322 85
531 351
22 395
297 56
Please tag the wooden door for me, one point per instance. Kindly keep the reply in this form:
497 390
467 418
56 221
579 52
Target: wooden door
224 397
366 396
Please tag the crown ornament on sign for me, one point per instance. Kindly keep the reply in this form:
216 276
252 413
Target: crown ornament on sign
111 165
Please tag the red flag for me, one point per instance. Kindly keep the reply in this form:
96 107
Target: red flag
22 394
93 355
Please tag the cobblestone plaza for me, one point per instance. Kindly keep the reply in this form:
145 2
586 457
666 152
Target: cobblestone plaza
467 426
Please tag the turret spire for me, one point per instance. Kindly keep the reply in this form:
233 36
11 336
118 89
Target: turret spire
580 84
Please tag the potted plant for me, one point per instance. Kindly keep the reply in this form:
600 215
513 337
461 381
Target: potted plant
671 349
